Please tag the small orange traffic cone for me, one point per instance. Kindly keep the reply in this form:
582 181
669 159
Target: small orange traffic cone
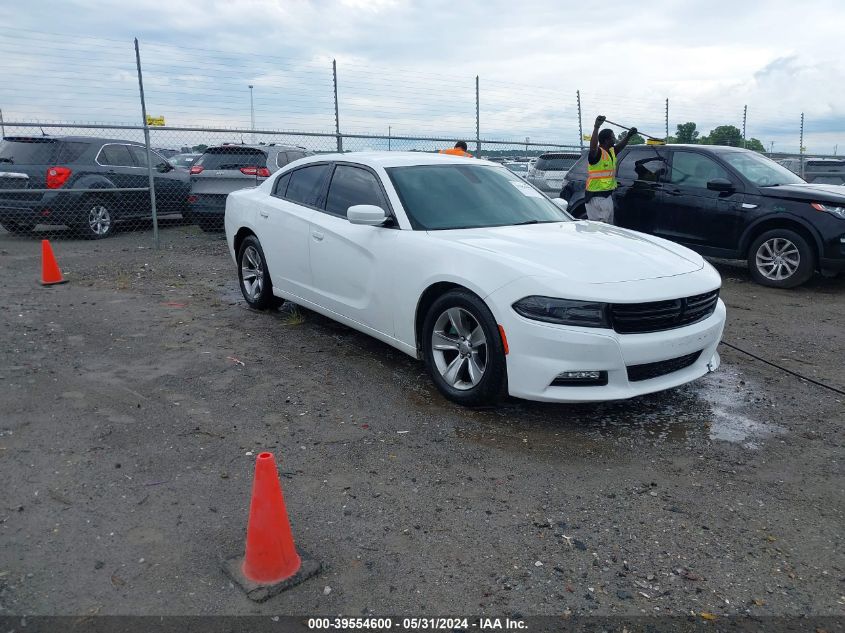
271 563
50 273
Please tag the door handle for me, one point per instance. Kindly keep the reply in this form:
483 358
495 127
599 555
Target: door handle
264 214
317 236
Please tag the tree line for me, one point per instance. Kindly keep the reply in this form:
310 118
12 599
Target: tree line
720 135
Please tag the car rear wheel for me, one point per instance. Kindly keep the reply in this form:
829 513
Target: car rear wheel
97 221
781 258
463 350
256 285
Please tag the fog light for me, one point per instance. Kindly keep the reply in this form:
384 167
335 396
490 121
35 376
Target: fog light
580 378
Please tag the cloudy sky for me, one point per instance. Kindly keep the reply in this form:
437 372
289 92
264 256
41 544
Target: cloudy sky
411 66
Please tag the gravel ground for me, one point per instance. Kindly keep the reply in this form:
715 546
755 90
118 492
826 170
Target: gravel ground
134 398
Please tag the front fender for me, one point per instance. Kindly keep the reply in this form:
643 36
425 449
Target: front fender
754 227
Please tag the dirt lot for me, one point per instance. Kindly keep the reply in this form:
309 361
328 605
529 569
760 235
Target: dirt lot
128 432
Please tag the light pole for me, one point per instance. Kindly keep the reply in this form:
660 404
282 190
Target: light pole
251 113
389 131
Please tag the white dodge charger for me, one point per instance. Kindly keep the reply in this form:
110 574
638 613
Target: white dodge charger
461 263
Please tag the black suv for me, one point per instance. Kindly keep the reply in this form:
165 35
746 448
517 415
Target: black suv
727 202
62 165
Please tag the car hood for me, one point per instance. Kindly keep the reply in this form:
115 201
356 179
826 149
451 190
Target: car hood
808 191
588 252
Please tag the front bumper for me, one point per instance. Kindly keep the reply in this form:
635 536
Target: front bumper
539 352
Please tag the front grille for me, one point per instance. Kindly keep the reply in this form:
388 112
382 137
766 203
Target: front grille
656 316
648 371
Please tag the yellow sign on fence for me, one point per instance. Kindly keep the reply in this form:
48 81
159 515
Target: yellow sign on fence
155 120
587 137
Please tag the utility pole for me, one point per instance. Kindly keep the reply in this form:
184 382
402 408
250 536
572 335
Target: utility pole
477 120
744 119
251 114
336 110
580 127
389 130
527 141
771 147
801 146
3 127
150 179
667 120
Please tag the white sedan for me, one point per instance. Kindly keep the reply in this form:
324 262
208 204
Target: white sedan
461 263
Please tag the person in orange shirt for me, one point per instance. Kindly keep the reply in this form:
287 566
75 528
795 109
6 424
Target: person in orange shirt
460 149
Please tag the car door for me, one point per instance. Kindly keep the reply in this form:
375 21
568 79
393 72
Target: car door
639 194
693 214
120 168
171 186
283 225
351 264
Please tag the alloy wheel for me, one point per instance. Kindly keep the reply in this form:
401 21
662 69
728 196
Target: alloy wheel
777 259
99 220
252 272
459 348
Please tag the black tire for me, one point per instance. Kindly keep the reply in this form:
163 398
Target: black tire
462 387
19 228
97 219
251 261
781 258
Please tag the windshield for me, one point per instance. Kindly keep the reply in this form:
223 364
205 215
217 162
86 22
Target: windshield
439 197
760 170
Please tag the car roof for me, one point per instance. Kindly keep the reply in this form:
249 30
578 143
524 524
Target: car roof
713 149
397 159
75 139
276 146
572 154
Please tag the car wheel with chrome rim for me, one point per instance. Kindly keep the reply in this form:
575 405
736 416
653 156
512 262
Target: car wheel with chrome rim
255 282
463 349
97 220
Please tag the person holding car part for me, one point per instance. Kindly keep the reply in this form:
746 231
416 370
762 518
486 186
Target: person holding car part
601 171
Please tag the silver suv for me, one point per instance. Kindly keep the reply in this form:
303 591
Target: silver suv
548 172
229 167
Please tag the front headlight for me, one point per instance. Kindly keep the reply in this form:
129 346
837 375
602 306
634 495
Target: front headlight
563 311
839 212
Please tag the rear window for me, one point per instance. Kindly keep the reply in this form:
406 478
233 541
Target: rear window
232 158
28 151
70 152
555 163
829 164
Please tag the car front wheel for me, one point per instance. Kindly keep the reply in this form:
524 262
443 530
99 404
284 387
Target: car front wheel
463 350
256 286
781 258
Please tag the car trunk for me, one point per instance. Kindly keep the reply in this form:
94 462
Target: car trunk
222 170
23 165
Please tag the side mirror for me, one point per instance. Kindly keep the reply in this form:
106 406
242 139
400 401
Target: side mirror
720 184
366 214
561 203
163 168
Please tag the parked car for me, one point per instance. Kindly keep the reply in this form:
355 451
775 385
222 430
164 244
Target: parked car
464 265
548 172
185 161
167 153
520 169
823 171
62 164
226 168
727 202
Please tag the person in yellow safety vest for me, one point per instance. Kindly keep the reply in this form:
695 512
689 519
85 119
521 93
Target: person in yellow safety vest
460 149
601 171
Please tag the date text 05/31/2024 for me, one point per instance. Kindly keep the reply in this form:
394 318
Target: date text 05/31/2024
416 624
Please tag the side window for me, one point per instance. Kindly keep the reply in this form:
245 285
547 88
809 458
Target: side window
115 156
643 166
351 186
281 185
140 156
695 170
306 185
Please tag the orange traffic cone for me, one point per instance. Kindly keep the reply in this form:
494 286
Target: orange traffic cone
271 563
50 273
